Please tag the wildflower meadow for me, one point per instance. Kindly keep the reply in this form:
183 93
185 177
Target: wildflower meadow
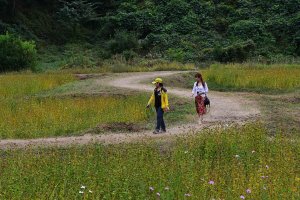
225 161
203 166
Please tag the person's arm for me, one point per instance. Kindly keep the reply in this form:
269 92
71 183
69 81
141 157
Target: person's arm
165 102
194 90
151 100
206 88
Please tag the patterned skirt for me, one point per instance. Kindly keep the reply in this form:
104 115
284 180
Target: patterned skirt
200 107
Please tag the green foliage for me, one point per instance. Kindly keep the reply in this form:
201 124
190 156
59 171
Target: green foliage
123 41
129 55
238 52
76 12
175 54
16 54
74 18
197 28
245 29
78 56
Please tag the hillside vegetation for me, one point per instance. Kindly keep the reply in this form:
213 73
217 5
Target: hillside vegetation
180 30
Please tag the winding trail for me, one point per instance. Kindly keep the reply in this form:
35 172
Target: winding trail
225 108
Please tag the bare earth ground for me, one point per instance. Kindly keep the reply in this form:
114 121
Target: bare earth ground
225 108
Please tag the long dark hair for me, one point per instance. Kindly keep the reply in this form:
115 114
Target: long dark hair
198 75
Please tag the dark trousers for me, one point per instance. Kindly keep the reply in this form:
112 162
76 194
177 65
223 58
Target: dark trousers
160 123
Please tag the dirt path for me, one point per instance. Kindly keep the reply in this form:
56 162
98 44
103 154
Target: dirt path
226 108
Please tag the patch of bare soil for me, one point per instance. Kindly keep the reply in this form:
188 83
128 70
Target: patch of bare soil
116 127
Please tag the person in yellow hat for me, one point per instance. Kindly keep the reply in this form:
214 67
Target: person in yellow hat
159 99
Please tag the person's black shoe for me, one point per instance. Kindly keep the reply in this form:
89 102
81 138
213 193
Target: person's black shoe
156 132
163 131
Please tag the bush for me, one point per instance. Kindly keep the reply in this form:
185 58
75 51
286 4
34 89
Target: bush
238 52
123 41
79 56
175 54
16 54
129 55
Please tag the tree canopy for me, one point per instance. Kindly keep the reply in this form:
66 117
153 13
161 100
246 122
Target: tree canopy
185 30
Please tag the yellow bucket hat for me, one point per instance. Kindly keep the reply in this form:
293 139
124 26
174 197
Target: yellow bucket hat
157 80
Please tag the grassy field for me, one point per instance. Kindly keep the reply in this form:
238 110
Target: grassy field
44 117
220 164
127 67
45 105
25 114
77 59
273 79
282 112
58 116
276 78
20 84
223 163
276 88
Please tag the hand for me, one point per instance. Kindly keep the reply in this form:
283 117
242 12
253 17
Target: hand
166 109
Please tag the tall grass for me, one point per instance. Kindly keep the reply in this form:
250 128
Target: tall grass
120 67
44 117
243 77
220 164
254 78
12 85
25 115
30 108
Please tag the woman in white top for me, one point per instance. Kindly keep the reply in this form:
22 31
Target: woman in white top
199 91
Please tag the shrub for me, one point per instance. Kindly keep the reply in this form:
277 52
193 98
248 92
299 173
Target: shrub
129 55
238 52
123 41
76 13
16 54
78 56
175 54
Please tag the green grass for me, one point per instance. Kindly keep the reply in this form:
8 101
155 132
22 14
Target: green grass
273 79
37 117
182 80
47 105
282 112
20 84
44 117
30 110
236 159
123 66
84 58
280 107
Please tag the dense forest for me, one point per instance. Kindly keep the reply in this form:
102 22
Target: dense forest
180 30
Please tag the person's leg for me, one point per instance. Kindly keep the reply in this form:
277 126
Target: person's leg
160 121
198 108
163 125
200 119
201 109
160 113
199 101
157 120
